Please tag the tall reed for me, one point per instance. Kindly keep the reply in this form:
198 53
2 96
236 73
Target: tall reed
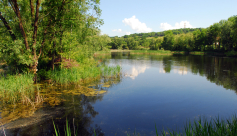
76 74
14 87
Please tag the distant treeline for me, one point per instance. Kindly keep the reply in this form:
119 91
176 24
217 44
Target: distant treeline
160 34
220 37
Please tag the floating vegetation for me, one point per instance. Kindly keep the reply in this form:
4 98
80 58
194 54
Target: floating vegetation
106 85
25 108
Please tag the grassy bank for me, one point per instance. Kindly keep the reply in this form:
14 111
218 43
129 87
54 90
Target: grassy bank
77 74
168 52
201 127
15 87
158 52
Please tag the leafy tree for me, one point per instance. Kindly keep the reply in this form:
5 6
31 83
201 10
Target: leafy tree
234 32
226 35
168 40
214 32
38 28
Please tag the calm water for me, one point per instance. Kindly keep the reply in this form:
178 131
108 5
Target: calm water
166 90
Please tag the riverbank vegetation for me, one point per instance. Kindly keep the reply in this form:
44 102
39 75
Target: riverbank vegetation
48 40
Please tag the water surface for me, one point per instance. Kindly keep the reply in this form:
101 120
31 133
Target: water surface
166 90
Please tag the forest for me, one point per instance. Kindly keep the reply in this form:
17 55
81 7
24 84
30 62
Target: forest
219 37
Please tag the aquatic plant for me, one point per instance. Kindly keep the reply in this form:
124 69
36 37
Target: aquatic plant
201 127
15 87
76 74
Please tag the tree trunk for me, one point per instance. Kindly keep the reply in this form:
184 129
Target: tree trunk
53 56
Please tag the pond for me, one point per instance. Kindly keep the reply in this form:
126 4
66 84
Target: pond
166 90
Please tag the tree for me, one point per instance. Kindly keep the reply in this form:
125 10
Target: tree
33 24
168 40
214 32
226 34
234 31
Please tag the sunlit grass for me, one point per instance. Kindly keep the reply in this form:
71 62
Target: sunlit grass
76 74
14 87
151 51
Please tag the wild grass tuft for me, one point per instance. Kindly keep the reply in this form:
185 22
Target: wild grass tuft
76 74
14 87
202 127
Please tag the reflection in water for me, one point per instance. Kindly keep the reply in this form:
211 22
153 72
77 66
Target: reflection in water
157 94
135 71
181 71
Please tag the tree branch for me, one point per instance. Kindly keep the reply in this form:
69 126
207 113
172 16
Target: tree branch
17 11
32 10
8 27
36 27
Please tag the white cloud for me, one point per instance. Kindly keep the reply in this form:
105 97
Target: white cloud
136 25
166 26
128 33
117 30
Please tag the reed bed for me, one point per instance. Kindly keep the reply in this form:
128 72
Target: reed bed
15 87
76 74
202 127
110 71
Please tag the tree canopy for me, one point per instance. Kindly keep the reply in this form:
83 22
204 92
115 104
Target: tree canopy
35 29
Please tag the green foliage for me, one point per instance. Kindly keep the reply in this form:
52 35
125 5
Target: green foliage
219 37
76 74
13 88
168 40
161 51
53 28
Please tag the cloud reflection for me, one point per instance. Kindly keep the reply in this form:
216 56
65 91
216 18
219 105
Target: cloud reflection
135 71
181 71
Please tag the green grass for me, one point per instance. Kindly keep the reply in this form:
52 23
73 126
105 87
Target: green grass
200 127
110 71
73 75
214 127
14 87
150 52
76 74
102 52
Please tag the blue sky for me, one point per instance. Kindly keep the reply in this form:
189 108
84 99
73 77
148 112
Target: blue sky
135 16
